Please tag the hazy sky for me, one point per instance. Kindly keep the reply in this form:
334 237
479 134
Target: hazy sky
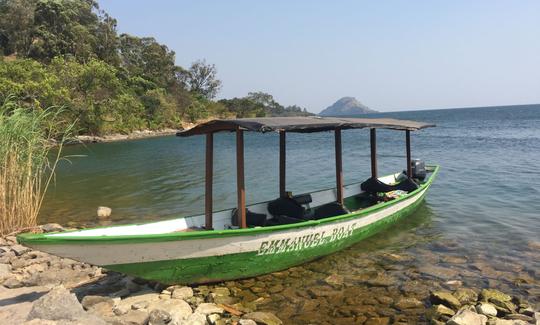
390 55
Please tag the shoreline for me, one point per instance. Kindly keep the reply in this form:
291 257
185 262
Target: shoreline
38 288
116 137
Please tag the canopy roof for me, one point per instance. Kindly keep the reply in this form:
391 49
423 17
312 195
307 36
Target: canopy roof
302 124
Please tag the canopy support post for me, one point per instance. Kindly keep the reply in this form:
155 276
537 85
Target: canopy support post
373 143
408 145
240 187
282 164
339 167
209 180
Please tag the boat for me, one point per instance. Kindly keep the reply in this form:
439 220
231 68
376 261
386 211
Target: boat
247 241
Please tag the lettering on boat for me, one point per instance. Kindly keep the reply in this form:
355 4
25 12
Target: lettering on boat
278 246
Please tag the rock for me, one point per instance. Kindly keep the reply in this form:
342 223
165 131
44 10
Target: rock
487 309
208 308
140 305
59 304
12 282
20 249
5 271
524 318
445 298
177 308
438 311
38 321
378 321
88 301
505 307
104 212
466 295
213 319
246 322
182 293
494 295
498 321
467 317
158 317
334 280
121 309
264 318
193 319
51 227
135 317
381 280
439 272
408 303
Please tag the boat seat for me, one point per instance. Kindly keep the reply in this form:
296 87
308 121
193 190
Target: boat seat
252 219
327 210
374 185
286 206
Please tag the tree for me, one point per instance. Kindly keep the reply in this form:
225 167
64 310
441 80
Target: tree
201 79
16 21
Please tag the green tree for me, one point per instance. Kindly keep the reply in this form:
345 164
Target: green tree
201 79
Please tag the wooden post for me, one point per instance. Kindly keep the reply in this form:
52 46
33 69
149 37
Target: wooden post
339 167
282 164
209 180
373 143
408 144
240 187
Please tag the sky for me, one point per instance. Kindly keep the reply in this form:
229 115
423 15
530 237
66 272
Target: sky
390 55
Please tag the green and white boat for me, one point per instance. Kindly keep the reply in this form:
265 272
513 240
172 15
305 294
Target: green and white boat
260 238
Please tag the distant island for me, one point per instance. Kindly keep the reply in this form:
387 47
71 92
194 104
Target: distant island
346 106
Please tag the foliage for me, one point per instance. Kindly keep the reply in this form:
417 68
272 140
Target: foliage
25 168
67 53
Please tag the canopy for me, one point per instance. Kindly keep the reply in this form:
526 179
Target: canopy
302 124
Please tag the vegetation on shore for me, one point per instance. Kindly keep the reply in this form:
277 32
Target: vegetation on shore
26 168
68 54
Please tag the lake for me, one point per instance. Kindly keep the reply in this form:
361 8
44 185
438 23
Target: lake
480 223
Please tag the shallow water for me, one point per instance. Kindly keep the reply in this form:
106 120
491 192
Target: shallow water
480 223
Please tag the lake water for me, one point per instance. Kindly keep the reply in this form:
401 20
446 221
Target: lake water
480 223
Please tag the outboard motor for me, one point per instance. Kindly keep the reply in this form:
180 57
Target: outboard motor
418 169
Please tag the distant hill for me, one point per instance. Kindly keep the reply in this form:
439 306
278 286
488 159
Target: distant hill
346 106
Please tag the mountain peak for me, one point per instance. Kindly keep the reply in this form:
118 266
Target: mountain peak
346 106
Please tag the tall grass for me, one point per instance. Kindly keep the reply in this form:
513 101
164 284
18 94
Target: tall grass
26 167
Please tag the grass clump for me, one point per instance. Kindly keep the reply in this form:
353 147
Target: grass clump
27 164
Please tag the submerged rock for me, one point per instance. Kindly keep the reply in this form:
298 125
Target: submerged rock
467 317
487 309
445 298
104 212
264 318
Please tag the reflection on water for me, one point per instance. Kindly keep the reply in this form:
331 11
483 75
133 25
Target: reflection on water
480 224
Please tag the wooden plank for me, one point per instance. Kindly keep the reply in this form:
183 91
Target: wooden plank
373 144
339 167
408 145
240 186
282 164
209 180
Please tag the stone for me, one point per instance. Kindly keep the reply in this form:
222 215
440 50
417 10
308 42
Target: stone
498 321
193 319
378 321
177 308
213 319
13 282
246 322
408 303
104 212
135 317
438 311
58 304
439 272
208 308
381 280
5 270
20 249
121 309
494 295
524 318
505 307
466 295
158 317
487 309
51 227
263 318
140 305
88 301
467 317
334 280
445 298
182 293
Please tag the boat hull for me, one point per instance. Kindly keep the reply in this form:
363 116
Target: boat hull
213 256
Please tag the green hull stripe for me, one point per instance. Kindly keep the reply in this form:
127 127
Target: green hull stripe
235 266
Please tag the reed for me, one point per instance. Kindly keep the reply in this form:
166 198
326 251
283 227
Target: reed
27 164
